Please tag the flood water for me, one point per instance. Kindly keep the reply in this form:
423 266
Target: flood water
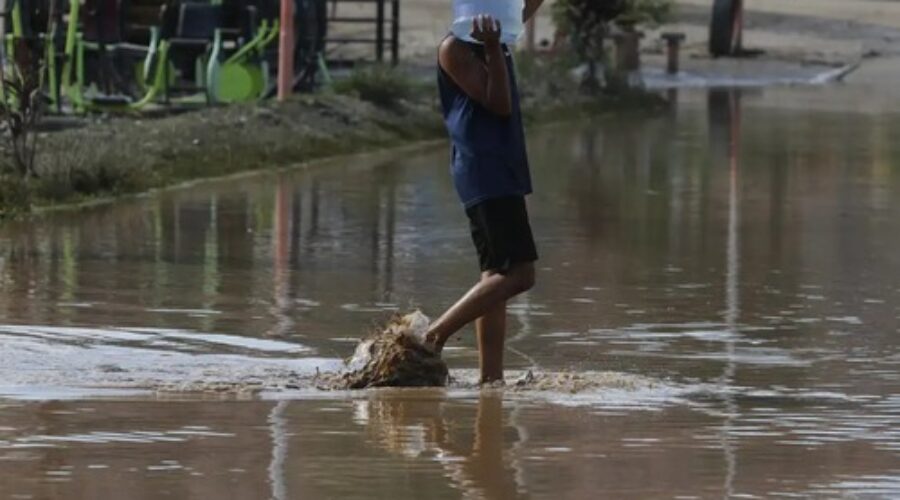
718 310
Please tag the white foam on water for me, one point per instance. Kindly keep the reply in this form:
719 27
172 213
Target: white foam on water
641 334
39 362
605 389
875 486
148 336
744 356
602 390
201 312
554 335
232 341
692 286
374 308
657 79
178 435
65 333
850 320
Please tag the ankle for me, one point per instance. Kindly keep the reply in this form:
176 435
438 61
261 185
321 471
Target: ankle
492 381
434 340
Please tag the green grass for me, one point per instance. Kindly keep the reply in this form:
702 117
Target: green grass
381 85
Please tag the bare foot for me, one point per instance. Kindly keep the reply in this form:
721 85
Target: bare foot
419 330
429 341
498 383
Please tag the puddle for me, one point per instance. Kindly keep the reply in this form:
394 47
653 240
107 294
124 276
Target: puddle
716 303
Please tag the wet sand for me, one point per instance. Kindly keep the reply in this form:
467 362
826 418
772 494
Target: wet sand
877 12
801 41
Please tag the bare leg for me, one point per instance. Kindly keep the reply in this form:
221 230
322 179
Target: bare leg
492 291
490 329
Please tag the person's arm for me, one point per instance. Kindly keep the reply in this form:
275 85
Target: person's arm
531 8
487 82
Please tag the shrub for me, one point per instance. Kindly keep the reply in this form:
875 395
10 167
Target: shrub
22 106
379 84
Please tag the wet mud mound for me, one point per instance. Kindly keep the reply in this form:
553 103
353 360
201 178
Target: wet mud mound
580 382
560 382
391 357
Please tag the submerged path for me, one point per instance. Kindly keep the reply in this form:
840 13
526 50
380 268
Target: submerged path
716 316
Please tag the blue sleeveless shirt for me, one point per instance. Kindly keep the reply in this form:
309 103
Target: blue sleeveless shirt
488 156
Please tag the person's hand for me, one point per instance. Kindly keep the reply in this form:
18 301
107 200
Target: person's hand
486 29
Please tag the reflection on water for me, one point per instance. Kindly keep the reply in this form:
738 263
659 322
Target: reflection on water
473 459
739 257
402 444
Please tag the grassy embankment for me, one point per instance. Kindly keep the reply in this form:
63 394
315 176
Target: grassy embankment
373 109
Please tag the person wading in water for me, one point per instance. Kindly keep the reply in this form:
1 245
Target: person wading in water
489 164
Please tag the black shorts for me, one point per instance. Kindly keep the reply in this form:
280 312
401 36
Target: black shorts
501 233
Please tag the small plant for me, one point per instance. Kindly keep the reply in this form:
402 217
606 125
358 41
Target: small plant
381 85
588 22
650 12
21 106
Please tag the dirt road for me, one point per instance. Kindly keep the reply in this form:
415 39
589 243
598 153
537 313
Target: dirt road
799 38
878 12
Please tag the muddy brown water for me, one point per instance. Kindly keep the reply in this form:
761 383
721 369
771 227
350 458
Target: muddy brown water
716 316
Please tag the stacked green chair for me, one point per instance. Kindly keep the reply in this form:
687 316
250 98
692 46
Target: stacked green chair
190 30
244 72
222 60
110 72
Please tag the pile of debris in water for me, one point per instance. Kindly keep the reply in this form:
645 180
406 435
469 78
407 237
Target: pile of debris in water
392 357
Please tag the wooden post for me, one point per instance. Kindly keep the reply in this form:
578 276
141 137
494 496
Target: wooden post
673 43
286 51
628 50
530 35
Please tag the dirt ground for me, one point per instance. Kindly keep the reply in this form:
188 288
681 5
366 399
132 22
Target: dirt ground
853 23
878 12
799 38
810 31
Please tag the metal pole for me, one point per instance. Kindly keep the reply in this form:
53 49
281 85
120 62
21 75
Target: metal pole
379 33
286 51
395 32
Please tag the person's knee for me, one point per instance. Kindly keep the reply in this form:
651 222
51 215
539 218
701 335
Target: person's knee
523 277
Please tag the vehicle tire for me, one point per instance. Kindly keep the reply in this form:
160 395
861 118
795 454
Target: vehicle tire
724 28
